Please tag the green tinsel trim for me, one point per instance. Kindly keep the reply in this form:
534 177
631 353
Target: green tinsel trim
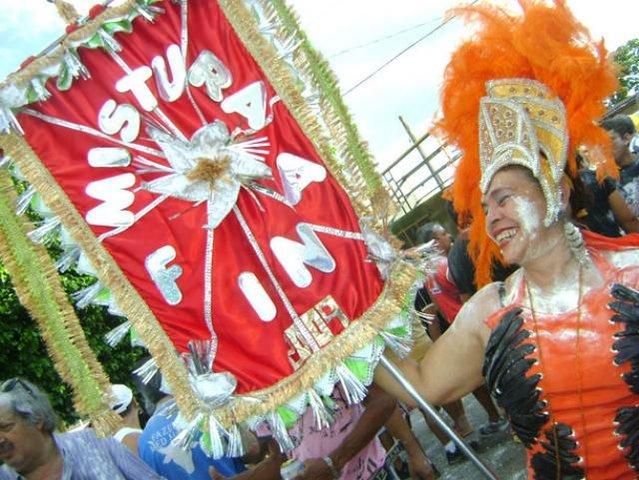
358 367
288 416
123 25
39 288
327 84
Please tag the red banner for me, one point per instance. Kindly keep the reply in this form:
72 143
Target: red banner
201 185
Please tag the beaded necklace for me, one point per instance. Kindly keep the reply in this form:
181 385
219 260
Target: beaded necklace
578 365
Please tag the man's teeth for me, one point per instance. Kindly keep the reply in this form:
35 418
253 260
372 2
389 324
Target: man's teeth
506 235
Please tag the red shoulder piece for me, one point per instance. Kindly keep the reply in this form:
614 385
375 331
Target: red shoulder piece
599 242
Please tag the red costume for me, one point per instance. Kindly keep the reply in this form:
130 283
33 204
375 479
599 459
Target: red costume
571 379
443 292
569 382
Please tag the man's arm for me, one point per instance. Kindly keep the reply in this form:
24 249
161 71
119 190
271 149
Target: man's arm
452 366
419 465
622 213
267 469
379 407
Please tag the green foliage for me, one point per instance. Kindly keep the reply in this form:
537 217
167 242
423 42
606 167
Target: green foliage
627 57
23 352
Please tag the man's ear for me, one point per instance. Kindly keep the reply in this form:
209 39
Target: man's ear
564 186
627 137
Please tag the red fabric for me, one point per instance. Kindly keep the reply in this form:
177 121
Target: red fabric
443 292
601 242
590 408
253 350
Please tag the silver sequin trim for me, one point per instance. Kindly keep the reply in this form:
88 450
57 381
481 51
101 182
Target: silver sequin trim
184 40
336 232
90 131
208 285
310 341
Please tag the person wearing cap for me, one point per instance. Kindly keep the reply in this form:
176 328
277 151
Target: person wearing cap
125 405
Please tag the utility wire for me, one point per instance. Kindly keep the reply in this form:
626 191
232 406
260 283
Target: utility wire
382 39
385 64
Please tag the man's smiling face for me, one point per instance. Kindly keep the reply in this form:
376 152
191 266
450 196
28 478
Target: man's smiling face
20 442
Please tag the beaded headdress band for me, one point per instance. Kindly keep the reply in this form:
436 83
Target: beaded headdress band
520 124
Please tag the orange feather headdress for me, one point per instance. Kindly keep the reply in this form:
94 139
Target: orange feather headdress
544 43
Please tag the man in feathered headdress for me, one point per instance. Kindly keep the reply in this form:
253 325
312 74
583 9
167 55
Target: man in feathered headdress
557 341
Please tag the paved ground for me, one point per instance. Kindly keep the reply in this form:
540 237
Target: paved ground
505 457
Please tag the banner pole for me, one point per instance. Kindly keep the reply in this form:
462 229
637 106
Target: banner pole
432 413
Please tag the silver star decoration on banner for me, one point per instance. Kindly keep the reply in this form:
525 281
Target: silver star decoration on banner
208 168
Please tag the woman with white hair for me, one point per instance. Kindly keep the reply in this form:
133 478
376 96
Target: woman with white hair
31 450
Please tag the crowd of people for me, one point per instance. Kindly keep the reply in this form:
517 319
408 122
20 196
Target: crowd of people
534 304
351 448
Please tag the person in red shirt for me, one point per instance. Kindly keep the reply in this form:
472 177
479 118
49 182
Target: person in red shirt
443 293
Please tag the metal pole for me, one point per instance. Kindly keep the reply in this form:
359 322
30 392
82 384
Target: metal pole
432 413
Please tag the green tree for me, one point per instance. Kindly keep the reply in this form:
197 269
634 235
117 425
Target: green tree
23 352
627 57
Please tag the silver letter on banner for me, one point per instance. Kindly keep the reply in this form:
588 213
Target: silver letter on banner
256 295
294 255
170 91
208 69
115 199
298 173
109 157
165 278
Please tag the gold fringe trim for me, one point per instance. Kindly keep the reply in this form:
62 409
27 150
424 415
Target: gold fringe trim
356 175
22 77
129 300
67 12
358 335
106 423
39 289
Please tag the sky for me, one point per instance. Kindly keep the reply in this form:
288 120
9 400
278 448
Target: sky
357 37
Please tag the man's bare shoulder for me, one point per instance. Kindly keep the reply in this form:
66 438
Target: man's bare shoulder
472 316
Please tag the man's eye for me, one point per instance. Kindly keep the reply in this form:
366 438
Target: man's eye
501 200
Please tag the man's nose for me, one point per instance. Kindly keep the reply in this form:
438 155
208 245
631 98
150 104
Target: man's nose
491 214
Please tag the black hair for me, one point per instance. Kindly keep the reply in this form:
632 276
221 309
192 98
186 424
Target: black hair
622 124
426 232
450 209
